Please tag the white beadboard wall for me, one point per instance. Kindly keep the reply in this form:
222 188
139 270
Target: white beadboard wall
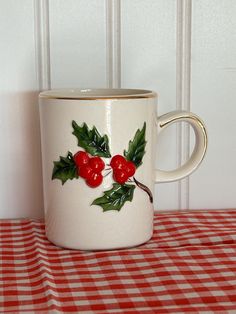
183 49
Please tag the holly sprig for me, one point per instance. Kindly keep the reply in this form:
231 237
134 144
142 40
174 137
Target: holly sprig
65 169
116 197
136 149
97 145
91 140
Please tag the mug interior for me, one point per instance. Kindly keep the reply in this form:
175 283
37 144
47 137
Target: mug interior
99 93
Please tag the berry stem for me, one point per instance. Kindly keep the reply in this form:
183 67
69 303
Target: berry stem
144 188
107 174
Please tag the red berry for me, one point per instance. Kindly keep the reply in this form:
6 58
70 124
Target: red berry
130 168
81 158
94 180
85 172
118 162
120 176
97 164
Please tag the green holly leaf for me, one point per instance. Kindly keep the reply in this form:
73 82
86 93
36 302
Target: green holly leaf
65 169
116 197
136 149
91 140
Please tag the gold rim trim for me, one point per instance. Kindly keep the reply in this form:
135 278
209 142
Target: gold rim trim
150 94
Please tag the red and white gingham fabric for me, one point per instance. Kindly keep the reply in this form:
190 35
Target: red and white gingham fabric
189 266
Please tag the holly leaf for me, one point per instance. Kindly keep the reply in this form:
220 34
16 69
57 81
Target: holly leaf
136 149
65 169
91 140
116 197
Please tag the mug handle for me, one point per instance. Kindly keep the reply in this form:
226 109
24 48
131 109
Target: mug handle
198 151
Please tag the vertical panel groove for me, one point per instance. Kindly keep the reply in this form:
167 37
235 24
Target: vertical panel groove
183 85
42 43
113 43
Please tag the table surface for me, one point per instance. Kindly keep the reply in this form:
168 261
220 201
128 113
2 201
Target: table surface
189 266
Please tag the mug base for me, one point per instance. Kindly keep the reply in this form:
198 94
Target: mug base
99 248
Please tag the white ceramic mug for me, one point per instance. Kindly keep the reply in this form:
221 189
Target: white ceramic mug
98 152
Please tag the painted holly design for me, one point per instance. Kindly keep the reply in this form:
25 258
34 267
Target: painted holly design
88 164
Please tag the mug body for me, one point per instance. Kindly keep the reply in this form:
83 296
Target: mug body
121 122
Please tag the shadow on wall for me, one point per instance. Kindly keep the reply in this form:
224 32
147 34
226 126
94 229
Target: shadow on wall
21 175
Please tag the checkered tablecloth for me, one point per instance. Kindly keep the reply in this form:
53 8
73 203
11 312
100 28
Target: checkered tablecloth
189 266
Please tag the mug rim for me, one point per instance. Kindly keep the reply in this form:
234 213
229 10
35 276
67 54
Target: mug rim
97 93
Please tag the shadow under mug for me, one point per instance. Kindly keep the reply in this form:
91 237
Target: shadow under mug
98 153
